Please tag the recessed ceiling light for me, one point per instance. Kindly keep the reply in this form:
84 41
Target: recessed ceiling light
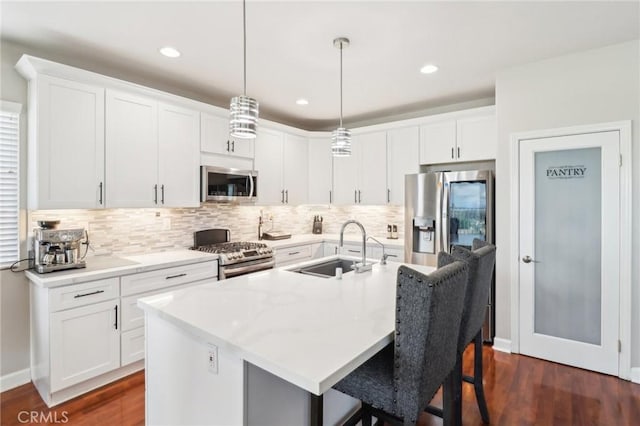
302 101
429 69
169 52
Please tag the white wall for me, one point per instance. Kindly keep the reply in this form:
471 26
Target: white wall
14 289
589 87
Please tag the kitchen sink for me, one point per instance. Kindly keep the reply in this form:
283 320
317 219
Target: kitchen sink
326 268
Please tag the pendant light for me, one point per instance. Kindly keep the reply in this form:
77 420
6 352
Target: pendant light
341 137
243 121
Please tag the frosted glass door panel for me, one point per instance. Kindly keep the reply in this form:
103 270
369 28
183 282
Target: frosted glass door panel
568 241
467 213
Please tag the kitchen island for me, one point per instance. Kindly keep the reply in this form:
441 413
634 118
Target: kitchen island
259 349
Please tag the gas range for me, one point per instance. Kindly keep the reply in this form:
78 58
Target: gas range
237 252
234 258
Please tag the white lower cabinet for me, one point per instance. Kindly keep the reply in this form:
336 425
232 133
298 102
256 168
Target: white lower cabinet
296 254
88 334
85 342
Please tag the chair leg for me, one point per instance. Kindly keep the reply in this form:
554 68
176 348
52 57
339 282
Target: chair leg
477 377
366 414
452 396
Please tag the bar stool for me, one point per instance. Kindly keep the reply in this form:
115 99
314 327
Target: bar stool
480 260
398 382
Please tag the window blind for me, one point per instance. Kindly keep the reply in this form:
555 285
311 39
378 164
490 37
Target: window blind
9 182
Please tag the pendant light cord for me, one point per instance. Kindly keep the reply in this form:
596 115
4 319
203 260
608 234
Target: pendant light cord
244 45
340 84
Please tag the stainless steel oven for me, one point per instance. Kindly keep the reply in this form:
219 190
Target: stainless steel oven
222 185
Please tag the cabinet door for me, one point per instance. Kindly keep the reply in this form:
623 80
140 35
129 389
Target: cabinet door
345 179
320 171
178 157
477 138
295 169
214 138
371 150
214 134
402 159
438 142
131 151
70 146
85 342
268 163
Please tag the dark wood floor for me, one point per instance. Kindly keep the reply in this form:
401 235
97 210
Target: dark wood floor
520 391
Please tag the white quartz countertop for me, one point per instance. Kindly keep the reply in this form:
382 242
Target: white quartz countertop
307 330
333 238
100 267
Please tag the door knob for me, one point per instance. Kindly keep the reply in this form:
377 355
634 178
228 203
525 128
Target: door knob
527 259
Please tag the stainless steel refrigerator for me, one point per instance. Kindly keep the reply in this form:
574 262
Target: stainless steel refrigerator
443 209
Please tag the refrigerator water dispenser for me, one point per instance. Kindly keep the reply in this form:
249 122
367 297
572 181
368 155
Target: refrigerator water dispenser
424 235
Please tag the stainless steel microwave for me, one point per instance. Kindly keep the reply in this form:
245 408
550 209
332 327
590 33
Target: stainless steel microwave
222 185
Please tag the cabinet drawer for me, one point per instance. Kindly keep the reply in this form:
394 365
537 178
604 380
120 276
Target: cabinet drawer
73 296
132 346
287 255
168 277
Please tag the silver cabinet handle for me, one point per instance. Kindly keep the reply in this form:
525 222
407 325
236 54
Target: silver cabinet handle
115 323
282 199
452 152
527 259
155 196
354 251
227 145
100 200
294 253
458 152
175 276
233 146
359 196
286 194
162 193
77 296
388 195
330 197
355 196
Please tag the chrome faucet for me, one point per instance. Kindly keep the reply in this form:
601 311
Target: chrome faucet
358 267
383 261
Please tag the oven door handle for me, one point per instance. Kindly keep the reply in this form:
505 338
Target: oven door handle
231 272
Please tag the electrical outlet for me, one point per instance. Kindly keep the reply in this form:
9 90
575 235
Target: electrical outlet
212 359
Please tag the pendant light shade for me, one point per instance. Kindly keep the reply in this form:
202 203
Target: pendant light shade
341 137
243 121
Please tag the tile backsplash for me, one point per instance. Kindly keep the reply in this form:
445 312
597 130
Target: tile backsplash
133 231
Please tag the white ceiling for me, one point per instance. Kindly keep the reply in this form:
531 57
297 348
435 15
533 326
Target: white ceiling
291 55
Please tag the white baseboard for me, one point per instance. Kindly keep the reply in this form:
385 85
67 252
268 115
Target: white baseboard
15 379
635 374
502 345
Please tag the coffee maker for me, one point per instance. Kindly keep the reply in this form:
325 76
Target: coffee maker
58 249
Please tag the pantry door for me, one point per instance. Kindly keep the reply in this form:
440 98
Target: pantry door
569 254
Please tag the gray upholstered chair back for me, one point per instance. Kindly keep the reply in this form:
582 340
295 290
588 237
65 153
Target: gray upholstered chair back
428 313
481 261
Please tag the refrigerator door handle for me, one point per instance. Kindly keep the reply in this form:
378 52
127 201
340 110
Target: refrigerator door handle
444 215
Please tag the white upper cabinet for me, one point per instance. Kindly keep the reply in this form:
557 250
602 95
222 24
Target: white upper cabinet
371 149
268 163
477 138
178 156
152 152
281 161
438 142
402 159
469 138
320 171
215 139
132 150
295 169
362 177
66 144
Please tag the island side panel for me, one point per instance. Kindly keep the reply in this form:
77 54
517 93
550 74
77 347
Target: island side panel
181 386
272 401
